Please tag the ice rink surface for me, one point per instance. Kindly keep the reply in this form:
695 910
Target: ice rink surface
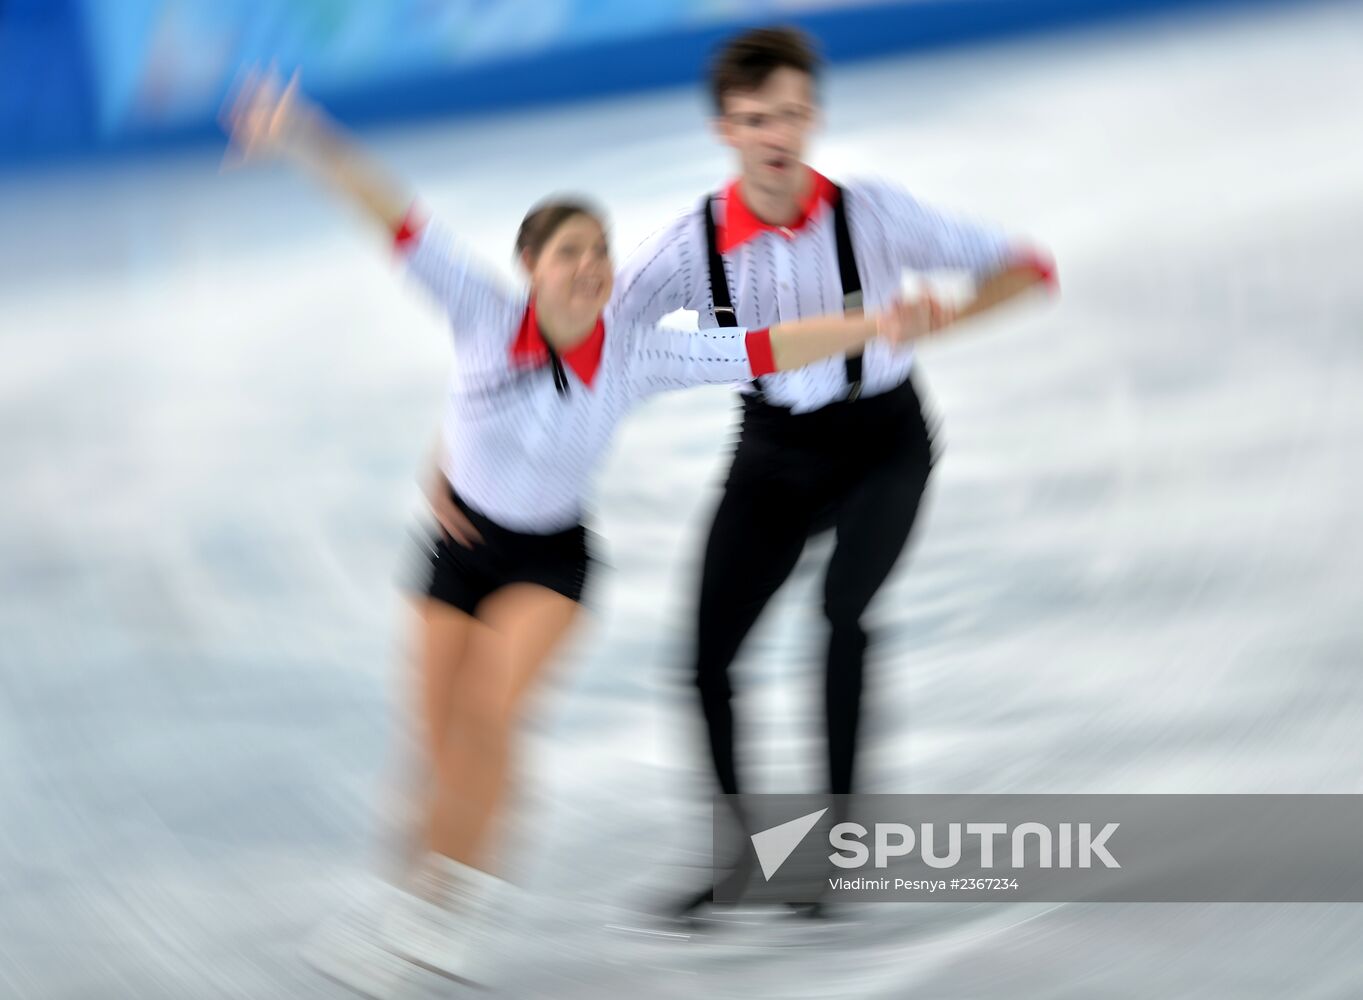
1138 570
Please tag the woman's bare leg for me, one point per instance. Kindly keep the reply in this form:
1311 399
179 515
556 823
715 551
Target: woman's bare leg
481 688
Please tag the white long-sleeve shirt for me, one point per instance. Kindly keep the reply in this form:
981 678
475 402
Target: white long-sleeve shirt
779 274
518 450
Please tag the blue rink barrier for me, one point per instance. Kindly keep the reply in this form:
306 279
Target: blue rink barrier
49 101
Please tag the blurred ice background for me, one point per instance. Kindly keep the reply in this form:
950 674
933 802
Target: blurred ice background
1138 570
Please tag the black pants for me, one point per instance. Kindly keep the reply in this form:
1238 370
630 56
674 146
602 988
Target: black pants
863 464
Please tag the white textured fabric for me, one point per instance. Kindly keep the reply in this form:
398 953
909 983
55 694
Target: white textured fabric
515 449
775 278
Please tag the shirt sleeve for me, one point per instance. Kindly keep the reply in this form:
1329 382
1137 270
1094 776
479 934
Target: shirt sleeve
659 277
925 239
662 358
479 306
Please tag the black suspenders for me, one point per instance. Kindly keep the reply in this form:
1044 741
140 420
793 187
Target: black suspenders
847 271
851 287
719 282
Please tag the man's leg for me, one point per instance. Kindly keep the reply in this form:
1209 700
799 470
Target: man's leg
873 525
755 541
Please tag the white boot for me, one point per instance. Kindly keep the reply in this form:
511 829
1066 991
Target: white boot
448 919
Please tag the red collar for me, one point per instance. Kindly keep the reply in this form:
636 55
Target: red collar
740 225
530 348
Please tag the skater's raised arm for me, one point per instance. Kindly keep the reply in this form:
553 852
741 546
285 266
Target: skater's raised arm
1028 269
925 239
269 120
1022 266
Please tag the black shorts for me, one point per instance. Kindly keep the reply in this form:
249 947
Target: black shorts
461 576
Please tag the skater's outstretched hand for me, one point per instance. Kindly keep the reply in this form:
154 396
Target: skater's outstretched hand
264 117
913 318
800 342
267 118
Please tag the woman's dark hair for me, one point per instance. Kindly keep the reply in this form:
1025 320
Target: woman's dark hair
745 61
543 221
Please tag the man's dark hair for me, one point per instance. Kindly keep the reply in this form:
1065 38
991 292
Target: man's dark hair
745 61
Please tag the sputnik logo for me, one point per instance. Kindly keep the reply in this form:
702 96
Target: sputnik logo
775 844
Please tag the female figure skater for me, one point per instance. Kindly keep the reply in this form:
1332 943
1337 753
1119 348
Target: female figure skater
541 379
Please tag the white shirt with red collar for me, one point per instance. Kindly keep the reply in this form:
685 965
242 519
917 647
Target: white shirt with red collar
781 273
517 448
